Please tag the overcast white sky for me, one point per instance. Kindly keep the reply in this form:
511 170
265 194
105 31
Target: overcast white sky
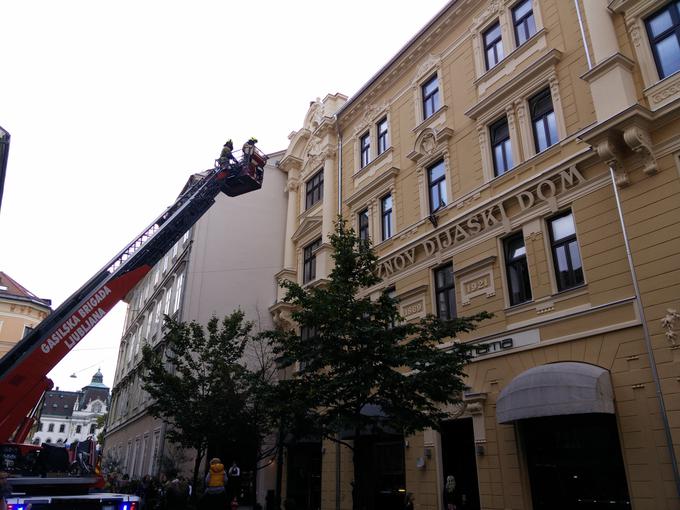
112 105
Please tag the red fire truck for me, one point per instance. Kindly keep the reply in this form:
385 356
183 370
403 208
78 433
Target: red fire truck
24 369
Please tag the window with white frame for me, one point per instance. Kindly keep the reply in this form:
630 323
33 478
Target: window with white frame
314 189
383 140
502 28
365 149
543 120
386 217
436 180
431 100
663 29
362 220
493 45
157 314
517 269
445 292
501 148
178 292
523 21
309 261
168 296
565 251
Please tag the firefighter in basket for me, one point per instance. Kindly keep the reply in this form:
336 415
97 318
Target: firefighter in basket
227 156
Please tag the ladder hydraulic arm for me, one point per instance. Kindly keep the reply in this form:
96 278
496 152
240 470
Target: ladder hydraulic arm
24 369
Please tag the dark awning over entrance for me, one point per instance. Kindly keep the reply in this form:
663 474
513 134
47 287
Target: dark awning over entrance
556 389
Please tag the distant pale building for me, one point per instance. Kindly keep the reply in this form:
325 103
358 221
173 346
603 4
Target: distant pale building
20 311
226 262
68 416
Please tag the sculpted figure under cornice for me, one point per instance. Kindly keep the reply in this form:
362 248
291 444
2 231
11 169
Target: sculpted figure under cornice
293 184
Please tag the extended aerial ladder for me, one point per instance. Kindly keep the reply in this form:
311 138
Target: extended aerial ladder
24 369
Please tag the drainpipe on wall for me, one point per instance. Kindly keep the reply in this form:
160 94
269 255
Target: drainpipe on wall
337 129
648 339
583 34
638 300
337 444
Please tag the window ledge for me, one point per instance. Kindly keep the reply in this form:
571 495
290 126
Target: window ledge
532 161
663 92
316 282
373 163
546 304
518 85
431 119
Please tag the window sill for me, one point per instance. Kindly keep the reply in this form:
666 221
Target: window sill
546 303
376 162
311 210
316 282
431 119
527 163
663 92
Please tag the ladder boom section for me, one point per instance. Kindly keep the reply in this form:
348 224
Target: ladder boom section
25 366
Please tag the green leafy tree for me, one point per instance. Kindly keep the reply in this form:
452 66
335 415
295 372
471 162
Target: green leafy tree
355 352
196 382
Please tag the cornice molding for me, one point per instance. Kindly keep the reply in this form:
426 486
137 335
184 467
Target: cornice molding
374 186
540 71
455 14
428 142
307 225
616 60
290 162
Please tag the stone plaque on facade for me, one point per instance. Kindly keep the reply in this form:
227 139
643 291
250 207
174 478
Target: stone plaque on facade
480 283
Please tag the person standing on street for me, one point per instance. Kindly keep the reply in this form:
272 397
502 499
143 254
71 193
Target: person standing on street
215 495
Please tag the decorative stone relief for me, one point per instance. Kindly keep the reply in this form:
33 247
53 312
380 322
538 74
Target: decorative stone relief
609 151
493 9
477 284
546 307
292 185
369 115
638 139
413 309
668 324
428 142
432 61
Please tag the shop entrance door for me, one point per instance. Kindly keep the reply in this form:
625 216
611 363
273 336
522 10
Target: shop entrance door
459 460
303 473
575 463
380 463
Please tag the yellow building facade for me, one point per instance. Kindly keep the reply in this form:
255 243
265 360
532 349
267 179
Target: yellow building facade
20 312
523 158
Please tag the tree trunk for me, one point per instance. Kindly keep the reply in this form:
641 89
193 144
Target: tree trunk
197 466
357 490
258 448
279 470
